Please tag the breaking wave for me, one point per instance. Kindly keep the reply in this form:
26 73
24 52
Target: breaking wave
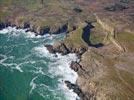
39 62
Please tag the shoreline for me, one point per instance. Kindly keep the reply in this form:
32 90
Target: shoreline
64 28
74 65
67 82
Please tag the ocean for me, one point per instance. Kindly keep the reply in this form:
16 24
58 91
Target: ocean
29 72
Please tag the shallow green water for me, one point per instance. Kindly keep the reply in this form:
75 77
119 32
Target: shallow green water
28 71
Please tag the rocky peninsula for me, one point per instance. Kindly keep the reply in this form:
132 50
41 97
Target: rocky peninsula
100 32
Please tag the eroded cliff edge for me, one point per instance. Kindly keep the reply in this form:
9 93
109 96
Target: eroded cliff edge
101 33
106 65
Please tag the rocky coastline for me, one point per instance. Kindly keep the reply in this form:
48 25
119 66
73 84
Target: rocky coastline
99 32
60 47
92 61
38 31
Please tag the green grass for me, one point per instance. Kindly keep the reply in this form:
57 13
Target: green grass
97 36
123 36
3 15
94 38
127 40
75 38
6 2
30 5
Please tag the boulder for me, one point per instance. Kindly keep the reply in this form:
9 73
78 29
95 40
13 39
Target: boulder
75 66
82 50
61 48
50 48
44 30
75 89
26 25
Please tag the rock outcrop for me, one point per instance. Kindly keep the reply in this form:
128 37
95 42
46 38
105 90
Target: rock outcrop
75 66
75 89
105 73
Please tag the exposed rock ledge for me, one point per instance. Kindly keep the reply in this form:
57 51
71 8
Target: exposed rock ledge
101 77
60 47
38 30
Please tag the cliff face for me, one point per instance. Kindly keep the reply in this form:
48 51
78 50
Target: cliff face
105 72
101 32
40 14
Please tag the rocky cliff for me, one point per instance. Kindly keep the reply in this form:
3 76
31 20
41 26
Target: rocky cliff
100 32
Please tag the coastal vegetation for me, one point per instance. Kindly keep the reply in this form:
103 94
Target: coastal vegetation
100 32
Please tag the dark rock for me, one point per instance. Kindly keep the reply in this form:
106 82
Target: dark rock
63 29
44 30
26 25
8 24
13 25
61 48
82 50
2 25
33 30
75 66
50 48
116 7
74 28
18 27
27 30
75 89
77 9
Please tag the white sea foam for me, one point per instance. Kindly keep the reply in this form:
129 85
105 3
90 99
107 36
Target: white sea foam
70 95
3 59
9 65
4 31
32 84
60 64
42 52
60 67
16 32
30 34
12 30
19 68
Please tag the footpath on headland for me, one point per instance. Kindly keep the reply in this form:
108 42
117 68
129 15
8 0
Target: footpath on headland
104 45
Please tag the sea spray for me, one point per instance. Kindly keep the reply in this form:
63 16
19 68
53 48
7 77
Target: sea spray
60 66
35 71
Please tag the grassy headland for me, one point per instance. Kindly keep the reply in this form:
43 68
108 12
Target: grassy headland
107 72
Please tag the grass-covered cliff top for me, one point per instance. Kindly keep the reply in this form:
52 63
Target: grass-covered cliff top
55 13
52 13
110 69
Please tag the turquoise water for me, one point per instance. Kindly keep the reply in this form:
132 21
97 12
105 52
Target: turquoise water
29 72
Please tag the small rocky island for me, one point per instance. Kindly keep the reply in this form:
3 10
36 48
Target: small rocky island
100 32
